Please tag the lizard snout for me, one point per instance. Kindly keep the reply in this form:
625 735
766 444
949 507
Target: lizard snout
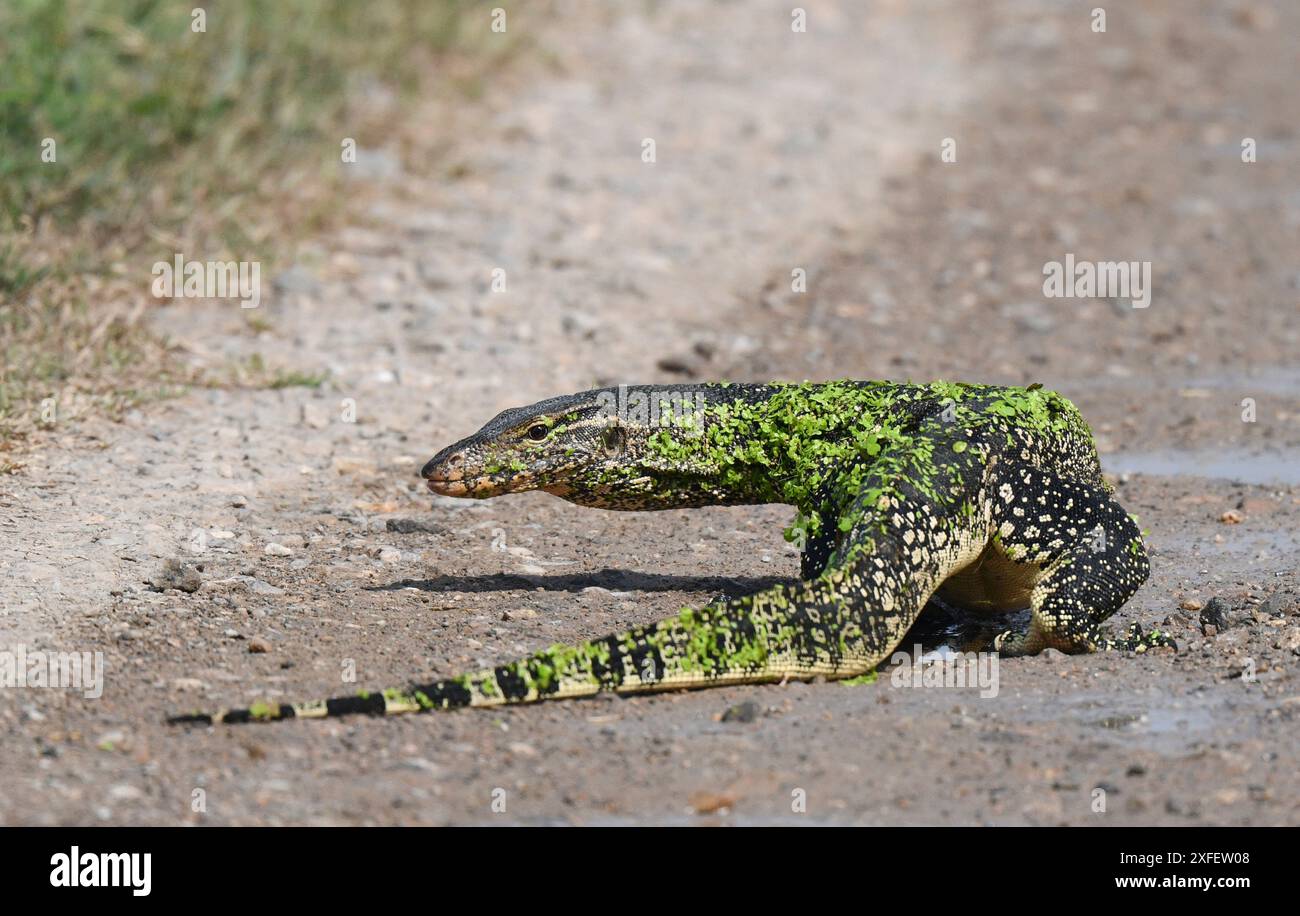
445 472
444 466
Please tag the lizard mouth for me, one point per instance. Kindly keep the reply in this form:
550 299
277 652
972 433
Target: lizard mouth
459 486
480 487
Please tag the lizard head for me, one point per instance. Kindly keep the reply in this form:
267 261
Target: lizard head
627 447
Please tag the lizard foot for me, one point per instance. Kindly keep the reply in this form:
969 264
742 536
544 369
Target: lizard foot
1136 641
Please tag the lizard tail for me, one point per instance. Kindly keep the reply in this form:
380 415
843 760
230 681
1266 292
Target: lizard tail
747 640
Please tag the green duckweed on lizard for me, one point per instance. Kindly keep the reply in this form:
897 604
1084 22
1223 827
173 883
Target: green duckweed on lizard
989 497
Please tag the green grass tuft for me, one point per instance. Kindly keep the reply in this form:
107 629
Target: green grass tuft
221 144
127 90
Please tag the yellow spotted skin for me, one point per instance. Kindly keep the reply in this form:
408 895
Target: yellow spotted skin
990 496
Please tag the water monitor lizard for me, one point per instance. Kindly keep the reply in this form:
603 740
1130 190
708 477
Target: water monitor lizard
990 497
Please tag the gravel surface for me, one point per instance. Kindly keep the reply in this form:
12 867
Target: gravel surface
232 545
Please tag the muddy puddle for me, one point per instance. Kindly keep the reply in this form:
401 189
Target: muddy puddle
1167 725
1262 380
1261 468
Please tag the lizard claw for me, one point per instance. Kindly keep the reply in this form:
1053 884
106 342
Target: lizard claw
1136 641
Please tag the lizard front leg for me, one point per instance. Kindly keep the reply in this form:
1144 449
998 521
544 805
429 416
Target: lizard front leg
817 552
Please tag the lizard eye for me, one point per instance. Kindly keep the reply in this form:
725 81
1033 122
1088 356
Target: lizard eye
613 440
537 432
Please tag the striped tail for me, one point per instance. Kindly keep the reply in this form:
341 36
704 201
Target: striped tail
770 636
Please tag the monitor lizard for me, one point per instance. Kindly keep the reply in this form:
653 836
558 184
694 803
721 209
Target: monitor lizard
988 497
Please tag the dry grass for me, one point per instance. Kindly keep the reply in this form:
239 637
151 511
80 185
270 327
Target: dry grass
222 144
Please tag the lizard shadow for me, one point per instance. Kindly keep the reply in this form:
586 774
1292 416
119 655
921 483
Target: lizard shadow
615 580
938 624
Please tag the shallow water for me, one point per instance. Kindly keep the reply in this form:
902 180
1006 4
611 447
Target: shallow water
1281 468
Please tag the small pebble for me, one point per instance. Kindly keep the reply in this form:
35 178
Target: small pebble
741 712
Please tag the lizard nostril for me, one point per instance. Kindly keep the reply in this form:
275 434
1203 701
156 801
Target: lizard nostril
441 466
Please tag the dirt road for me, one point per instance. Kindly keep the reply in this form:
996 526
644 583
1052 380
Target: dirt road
773 151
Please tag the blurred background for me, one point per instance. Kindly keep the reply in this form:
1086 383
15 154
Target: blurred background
218 136
133 130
